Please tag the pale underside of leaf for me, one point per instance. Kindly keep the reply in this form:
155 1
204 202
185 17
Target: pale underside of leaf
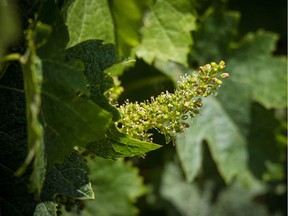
226 143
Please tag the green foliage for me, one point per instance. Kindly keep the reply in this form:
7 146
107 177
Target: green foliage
252 68
116 185
60 122
192 200
167 27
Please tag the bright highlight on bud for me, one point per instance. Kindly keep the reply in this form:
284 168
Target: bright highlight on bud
168 113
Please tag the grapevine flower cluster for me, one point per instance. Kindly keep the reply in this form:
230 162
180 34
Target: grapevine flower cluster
168 112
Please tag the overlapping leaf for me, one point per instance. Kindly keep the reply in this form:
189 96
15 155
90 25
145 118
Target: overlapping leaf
89 19
255 76
96 57
68 118
166 32
107 21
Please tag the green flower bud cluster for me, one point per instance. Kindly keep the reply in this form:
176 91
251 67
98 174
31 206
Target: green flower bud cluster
168 112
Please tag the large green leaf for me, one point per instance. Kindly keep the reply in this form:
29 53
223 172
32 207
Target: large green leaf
89 19
96 57
226 122
252 65
117 186
69 119
166 32
105 20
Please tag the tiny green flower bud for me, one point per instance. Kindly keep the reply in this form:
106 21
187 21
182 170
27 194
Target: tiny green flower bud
219 82
222 65
213 64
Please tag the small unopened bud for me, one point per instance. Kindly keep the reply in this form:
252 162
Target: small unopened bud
202 69
217 81
224 75
213 64
222 63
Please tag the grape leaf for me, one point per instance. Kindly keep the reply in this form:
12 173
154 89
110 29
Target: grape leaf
117 185
225 141
69 178
68 118
166 32
256 75
96 57
264 75
89 19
